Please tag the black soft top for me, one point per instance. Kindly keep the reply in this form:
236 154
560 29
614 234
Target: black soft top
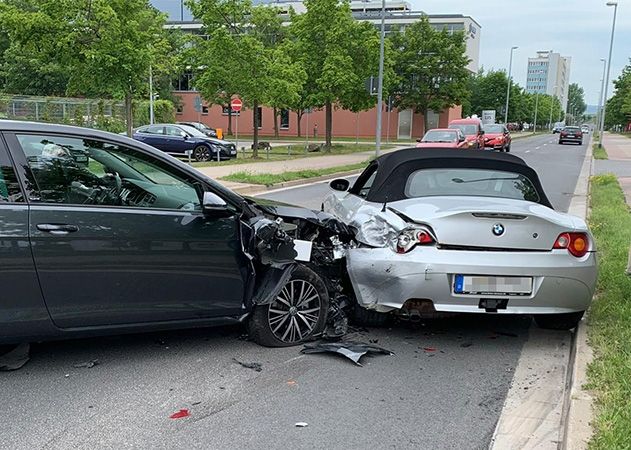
393 169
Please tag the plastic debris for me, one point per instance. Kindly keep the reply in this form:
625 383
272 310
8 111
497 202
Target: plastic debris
291 383
505 333
15 359
87 364
429 349
466 344
180 414
302 424
350 349
249 365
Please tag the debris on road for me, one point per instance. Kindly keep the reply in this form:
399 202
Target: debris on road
87 364
180 414
505 333
350 349
15 359
466 344
292 382
429 349
249 365
301 424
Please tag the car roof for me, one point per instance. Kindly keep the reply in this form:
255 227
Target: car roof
395 167
465 121
450 130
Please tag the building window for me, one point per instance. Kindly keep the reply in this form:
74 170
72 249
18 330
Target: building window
184 82
204 110
179 108
259 117
284 118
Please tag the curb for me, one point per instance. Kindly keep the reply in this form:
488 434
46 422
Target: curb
545 407
259 188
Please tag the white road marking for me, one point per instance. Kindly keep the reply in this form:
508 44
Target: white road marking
528 151
536 148
545 143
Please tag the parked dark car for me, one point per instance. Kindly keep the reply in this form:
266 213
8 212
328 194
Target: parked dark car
208 131
571 134
180 139
102 234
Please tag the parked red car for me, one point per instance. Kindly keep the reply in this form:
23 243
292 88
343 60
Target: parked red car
443 137
472 129
497 137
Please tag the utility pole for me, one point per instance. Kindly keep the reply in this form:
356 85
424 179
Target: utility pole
151 117
510 67
534 128
613 29
380 85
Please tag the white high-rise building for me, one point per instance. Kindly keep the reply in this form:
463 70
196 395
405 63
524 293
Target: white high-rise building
549 73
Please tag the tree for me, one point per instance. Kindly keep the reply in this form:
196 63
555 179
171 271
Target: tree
338 55
488 92
619 105
576 99
431 67
104 46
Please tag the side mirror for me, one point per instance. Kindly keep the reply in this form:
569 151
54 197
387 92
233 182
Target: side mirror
481 132
212 203
184 135
340 184
462 138
418 140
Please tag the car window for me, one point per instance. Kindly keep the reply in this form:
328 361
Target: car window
10 191
173 131
152 130
364 182
468 130
469 182
440 136
81 171
492 128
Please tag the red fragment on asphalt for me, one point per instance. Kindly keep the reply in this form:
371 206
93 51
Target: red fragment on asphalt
429 349
180 414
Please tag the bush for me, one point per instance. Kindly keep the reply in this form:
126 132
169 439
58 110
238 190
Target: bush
163 111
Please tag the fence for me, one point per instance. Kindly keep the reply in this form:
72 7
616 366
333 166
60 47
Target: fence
108 115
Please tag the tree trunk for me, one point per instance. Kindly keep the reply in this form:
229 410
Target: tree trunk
328 125
229 120
425 122
129 116
255 132
275 122
299 119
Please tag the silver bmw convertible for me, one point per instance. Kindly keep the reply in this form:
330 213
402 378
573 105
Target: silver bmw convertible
451 231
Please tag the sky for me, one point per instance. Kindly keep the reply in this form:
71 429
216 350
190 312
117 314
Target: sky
577 28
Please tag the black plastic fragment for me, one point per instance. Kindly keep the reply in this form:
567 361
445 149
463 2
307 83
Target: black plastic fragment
16 358
350 349
249 365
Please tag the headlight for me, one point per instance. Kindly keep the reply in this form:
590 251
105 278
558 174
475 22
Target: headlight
471 143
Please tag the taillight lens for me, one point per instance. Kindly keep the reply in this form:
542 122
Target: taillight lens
575 243
563 133
411 237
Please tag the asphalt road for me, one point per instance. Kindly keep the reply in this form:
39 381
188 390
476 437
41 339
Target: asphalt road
443 388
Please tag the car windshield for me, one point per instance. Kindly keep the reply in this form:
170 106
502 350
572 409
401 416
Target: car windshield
192 130
470 182
493 128
440 136
468 130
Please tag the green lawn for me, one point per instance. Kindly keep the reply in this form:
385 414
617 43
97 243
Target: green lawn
282 153
271 179
610 317
599 152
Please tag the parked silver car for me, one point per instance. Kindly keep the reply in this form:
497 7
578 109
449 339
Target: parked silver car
463 232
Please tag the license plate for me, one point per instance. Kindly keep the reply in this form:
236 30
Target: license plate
485 285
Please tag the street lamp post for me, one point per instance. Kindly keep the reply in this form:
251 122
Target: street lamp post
380 82
510 67
600 95
554 95
534 128
151 117
613 29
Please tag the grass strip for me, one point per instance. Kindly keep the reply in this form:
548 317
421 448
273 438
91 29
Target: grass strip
610 317
599 152
269 179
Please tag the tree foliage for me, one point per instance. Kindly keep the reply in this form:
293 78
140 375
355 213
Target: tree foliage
576 100
618 111
431 66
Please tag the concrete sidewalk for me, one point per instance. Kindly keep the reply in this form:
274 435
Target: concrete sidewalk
619 163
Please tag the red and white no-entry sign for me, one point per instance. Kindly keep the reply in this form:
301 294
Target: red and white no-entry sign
236 105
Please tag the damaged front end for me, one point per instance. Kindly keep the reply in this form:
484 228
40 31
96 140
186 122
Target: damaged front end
283 243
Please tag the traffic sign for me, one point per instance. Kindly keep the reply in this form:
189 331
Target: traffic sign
236 105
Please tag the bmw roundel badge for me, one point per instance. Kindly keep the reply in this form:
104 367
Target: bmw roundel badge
498 229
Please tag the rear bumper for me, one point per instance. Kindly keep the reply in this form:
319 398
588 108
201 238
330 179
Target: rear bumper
384 280
570 139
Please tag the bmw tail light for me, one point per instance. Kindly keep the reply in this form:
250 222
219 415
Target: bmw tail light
411 237
577 244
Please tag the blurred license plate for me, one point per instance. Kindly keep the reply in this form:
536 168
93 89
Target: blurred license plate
483 285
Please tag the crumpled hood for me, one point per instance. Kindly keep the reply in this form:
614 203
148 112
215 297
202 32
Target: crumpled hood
466 221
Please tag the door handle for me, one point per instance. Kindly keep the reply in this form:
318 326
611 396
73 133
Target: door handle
57 229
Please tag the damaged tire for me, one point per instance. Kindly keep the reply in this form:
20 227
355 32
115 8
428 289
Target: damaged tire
296 314
565 321
368 318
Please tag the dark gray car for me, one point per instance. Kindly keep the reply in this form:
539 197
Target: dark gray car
102 234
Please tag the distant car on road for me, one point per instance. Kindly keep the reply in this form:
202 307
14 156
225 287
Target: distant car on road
463 232
557 129
180 139
585 129
571 134
443 137
472 129
208 131
497 137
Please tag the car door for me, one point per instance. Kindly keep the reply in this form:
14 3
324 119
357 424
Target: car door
121 239
152 135
177 140
22 308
